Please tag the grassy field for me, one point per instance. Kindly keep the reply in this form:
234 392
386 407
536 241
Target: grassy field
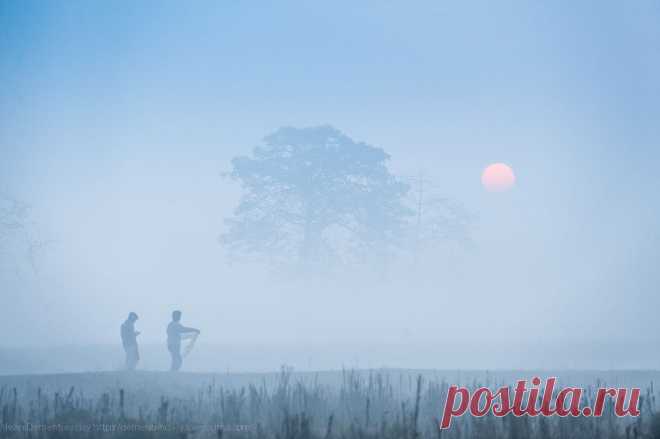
289 405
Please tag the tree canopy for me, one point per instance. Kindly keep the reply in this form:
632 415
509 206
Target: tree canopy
315 196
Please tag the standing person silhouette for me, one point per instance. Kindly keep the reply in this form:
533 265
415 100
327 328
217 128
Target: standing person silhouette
129 341
174 332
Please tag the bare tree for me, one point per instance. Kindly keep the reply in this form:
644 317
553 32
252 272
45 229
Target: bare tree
439 220
17 232
13 215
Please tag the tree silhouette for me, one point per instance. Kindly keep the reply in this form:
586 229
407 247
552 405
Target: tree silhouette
313 195
438 220
18 235
12 216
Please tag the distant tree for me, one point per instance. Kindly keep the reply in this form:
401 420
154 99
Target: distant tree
438 220
12 217
314 195
17 234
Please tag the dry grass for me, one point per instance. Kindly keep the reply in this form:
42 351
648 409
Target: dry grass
375 405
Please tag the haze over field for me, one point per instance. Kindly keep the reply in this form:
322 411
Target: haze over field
118 123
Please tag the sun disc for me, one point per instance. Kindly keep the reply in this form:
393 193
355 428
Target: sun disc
498 177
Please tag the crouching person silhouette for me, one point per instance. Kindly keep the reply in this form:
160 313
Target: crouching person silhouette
175 330
129 341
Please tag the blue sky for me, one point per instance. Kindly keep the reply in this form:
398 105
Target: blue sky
117 119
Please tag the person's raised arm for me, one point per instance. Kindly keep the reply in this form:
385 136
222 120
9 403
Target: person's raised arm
185 329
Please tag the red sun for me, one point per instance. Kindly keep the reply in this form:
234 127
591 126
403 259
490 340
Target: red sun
498 177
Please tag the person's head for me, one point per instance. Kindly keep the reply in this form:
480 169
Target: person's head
132 316
176 316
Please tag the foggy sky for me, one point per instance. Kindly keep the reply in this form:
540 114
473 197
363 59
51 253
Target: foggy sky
117 121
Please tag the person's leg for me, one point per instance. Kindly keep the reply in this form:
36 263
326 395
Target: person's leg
135 357
175 352
177 361
132 357
127 363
